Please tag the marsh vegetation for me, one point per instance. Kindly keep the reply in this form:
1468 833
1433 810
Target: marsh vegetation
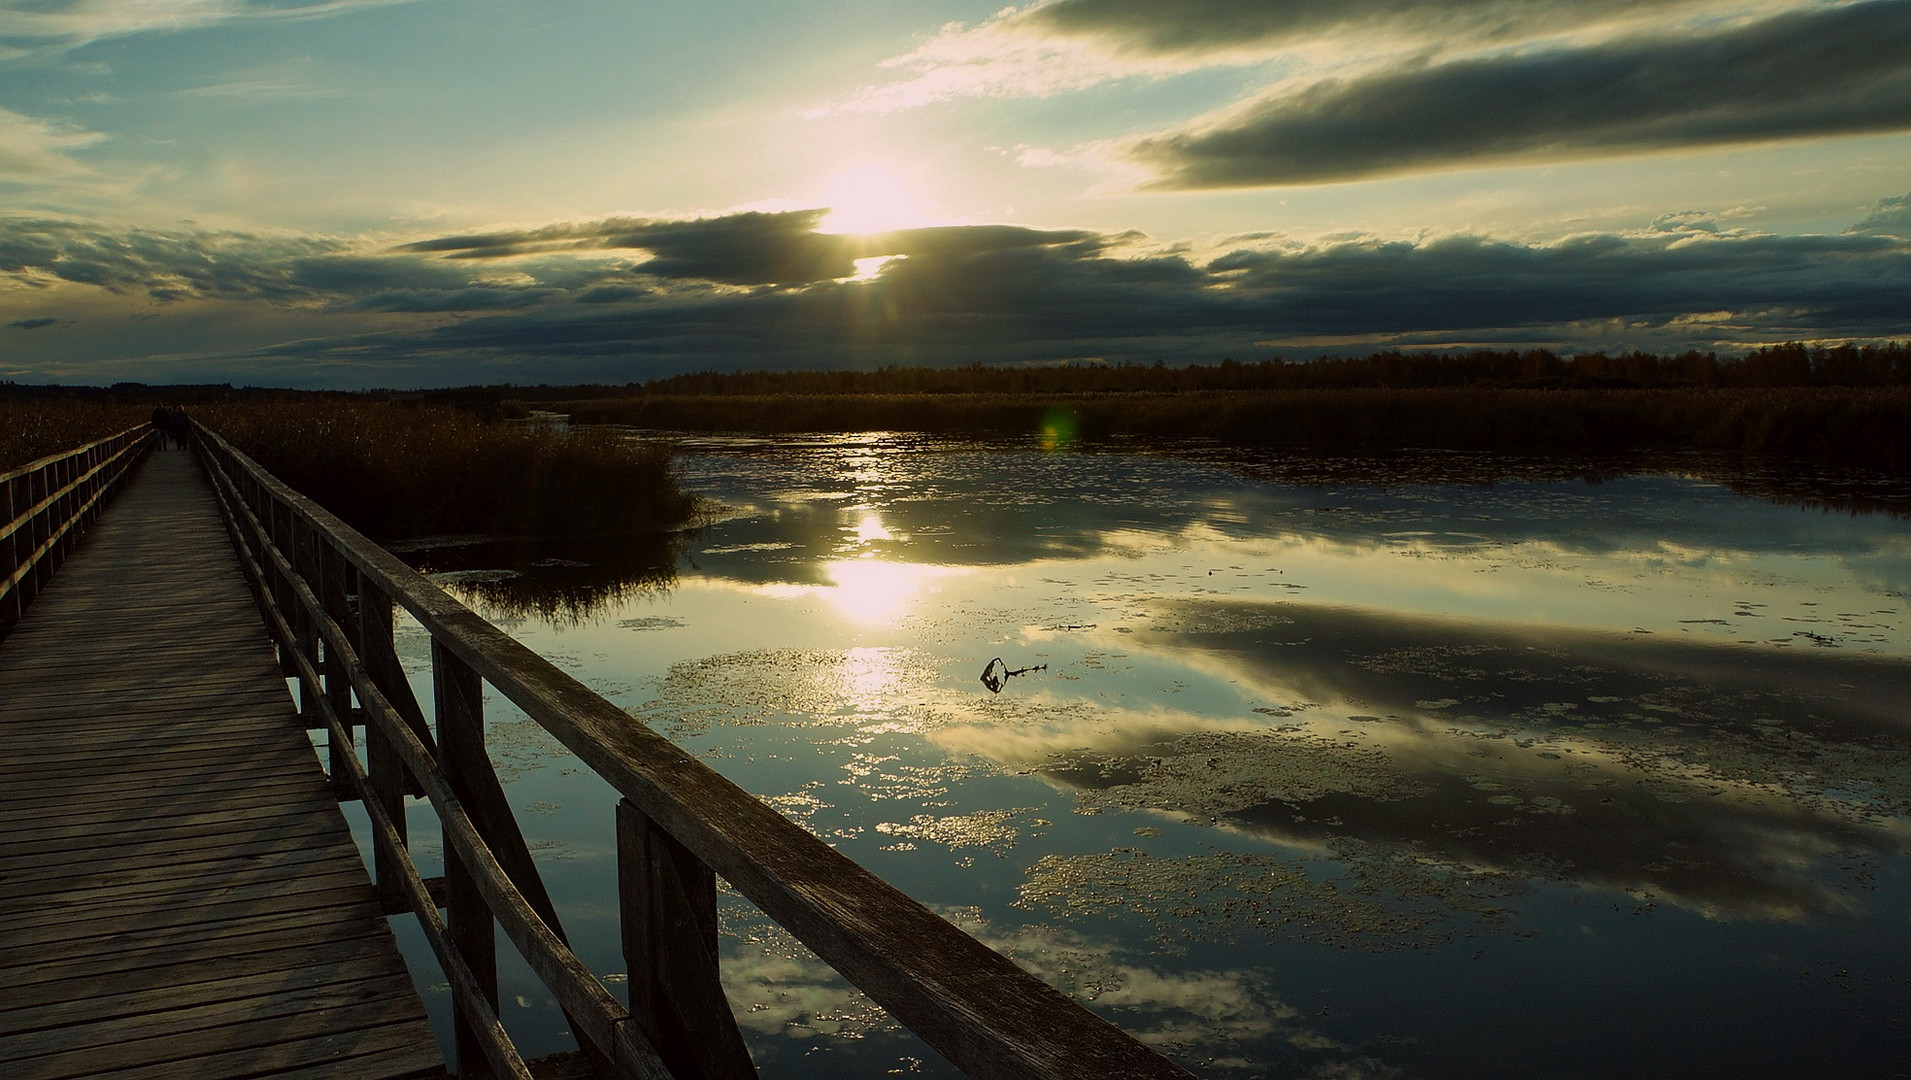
395 469
31 429
1846 404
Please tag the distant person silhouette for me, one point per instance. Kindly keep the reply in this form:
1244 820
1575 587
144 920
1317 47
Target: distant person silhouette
178 426
162 424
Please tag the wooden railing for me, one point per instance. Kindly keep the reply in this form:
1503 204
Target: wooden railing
47 505
329 595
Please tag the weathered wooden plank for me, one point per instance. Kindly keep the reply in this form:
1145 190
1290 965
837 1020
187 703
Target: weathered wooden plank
152 773
215 751
125 1036
136 744
159 619
134 859
150 688
179 894
61 838
132 706
130 911
392 1049
398 1061
101 997
334 904
227 859
106 751
85 648
258 903
208 794
126 962
145 850
159 673
188 936
159 611
45 716
189 880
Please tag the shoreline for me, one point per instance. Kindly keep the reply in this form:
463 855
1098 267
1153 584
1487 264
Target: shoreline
1861 426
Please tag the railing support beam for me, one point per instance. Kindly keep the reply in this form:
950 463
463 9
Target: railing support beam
668 908
459 699
386 770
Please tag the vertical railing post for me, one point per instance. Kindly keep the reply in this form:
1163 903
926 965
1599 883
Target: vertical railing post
304 625
10 609
667 905
96 478
50 525
83 506
276 517
458 693
331 567
69 505
56 514
378 651
384 769
36 533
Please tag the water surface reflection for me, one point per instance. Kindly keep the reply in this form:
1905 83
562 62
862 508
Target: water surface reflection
1531 777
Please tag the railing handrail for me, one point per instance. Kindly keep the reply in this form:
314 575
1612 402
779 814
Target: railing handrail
988 1016
44 506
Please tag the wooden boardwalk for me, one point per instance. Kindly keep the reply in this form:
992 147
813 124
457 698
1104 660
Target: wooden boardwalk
179 894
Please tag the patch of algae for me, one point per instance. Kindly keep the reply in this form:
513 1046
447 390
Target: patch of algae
1209 775
1222 895
989 829
1216 619
810 686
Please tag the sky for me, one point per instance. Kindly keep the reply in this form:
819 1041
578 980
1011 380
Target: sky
418 193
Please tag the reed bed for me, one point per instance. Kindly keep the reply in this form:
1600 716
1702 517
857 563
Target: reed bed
395 470
35 428
1858 425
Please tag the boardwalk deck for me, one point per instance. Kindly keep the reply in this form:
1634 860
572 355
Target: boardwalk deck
179 894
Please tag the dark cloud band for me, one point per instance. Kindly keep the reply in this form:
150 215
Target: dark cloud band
742 249
435 313
1836 71
1197 26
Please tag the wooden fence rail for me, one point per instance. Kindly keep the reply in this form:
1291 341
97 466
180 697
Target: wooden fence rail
329 597
46 506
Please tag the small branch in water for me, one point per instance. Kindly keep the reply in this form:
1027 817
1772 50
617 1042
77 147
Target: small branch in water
998 673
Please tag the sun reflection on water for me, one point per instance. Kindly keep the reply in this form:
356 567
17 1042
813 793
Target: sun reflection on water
870 528
877 593
870 678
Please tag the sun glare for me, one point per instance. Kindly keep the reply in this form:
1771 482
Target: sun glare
877 593
868 199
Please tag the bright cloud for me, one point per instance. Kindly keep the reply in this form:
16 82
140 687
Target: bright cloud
78 22
34 150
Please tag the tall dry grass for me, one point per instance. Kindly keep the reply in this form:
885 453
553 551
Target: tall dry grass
36 428
395 470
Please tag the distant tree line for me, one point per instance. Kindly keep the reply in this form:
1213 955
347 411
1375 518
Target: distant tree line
1788 365
1792 364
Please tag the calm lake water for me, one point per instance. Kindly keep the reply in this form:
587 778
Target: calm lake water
1311 777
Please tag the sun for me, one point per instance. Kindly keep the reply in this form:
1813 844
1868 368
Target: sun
868 199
